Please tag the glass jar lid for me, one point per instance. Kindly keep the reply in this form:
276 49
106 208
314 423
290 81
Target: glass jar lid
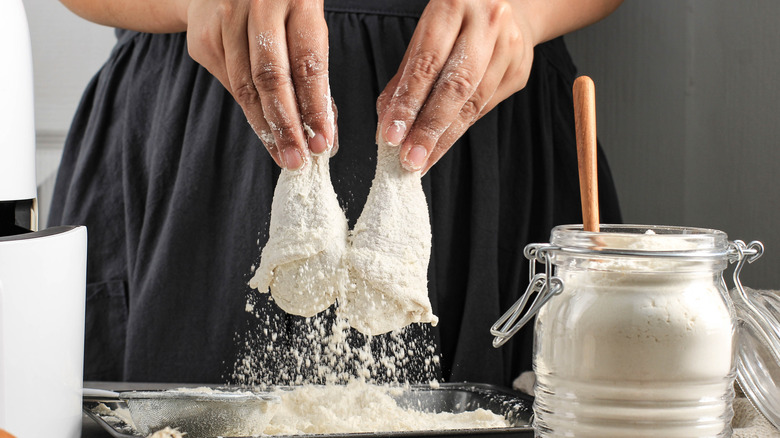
642 240
758 344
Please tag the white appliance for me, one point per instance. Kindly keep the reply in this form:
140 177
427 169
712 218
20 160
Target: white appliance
17 130
42 273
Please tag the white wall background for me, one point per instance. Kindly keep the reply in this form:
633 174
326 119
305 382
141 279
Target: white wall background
67 52
688 108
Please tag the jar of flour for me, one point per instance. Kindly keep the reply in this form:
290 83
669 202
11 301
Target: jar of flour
635 332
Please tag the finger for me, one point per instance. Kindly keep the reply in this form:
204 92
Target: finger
382 101
459 80
270 69
476 106
517 70
239 76
473 110
427 53
205 46
452 99
307 39
335 117
384 97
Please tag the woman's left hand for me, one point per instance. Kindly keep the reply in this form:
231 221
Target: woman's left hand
464 58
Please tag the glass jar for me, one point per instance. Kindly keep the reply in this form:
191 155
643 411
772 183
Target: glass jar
635 333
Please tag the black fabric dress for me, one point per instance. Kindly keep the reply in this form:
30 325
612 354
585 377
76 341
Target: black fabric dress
175 189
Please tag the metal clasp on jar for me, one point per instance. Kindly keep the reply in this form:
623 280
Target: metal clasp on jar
740 253
544 285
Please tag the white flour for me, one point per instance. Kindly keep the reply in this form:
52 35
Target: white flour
360 407
329 364
379 276
357 407
625 351
324 350
167 433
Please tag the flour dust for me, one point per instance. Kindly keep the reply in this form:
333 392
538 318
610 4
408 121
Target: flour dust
281 349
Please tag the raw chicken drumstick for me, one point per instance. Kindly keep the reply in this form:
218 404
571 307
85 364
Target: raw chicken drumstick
302 261
389 251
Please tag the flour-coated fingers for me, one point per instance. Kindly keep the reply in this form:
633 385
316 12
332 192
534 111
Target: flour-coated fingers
427 53
307 40
272 78
451 96
477 104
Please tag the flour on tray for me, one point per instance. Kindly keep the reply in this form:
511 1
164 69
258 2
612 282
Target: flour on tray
359 407
167 433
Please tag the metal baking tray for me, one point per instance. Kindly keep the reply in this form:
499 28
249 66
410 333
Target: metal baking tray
448 397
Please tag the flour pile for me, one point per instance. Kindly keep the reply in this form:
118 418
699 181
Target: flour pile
167 433
378 273
359 408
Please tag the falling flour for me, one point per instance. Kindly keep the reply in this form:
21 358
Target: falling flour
341 381
283 350
378 277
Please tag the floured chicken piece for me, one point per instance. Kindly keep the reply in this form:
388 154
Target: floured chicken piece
389 251
302 261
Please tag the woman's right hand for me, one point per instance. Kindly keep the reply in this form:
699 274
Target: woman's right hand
272 56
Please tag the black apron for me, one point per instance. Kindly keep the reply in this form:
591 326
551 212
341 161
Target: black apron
175 189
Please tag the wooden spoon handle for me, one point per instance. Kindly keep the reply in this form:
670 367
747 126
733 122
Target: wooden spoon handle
585 124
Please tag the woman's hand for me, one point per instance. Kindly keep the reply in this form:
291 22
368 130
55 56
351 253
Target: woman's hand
272 56
464 58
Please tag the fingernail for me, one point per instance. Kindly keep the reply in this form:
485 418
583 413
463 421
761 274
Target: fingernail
293 160
394 134
318 144
415 158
